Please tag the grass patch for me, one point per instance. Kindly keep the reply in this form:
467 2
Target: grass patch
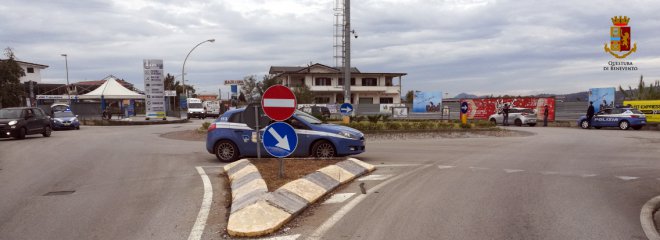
293 169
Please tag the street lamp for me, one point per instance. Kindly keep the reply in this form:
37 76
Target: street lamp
183 69
66 62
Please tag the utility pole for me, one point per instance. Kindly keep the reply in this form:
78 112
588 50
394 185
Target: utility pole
347 51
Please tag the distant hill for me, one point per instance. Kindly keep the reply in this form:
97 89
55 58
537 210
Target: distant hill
466 95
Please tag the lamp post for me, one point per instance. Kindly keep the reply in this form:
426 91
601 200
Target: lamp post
66 62
183 69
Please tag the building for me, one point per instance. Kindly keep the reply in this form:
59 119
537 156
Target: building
327 84
32 71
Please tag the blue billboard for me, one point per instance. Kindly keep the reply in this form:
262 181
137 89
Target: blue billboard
602 98
427 102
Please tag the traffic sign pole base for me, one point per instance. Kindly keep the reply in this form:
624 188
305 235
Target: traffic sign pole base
346 119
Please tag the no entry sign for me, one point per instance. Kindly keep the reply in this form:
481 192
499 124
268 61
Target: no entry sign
278 103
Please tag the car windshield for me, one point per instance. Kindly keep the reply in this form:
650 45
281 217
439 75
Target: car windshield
635 111
195 105
10 113
307 118
63 114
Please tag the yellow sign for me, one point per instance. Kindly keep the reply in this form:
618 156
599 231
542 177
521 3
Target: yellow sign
650 108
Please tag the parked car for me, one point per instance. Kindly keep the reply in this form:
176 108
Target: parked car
64 120
621 117
517 116
229 137
21 121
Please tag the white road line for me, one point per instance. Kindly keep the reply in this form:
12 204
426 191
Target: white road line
289 237
588 175
321 230
626 178
198 229
513 170
338 198
549 173
375 177
398 165
646 218
445 166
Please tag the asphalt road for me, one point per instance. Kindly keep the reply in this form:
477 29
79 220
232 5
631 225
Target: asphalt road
129 183
557 184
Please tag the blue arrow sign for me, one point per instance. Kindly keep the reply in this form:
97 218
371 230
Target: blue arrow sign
464 107
280 139
346 109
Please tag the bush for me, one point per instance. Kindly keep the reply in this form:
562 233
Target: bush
374 118
386 118
483 124
466 126
392 125
445 125
356 119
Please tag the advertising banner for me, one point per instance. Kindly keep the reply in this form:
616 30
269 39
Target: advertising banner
650 108
427 102
482 108
154 88
602 98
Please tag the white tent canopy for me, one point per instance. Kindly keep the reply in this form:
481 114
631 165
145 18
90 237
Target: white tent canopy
111 89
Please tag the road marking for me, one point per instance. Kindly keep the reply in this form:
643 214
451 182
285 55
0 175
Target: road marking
445 167
513 170
646 218
290 237
398 165
626 178
588 175
374 177
198 229
338 198
321 230
549 173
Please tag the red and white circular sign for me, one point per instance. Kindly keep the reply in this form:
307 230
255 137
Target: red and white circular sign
279 103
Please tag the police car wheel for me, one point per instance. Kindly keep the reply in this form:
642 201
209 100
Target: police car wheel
624 125
226 151
323 149
584 124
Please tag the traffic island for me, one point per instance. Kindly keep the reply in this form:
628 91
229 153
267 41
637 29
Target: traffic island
256 212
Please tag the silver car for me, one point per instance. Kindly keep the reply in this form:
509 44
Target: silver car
517 116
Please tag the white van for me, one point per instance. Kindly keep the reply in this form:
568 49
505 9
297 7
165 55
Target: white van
195 108
212 108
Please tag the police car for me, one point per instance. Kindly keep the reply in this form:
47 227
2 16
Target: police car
621 117
230 137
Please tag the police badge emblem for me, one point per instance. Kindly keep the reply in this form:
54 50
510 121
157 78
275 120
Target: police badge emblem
620 39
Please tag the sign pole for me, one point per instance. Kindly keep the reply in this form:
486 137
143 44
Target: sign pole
281 173
256 118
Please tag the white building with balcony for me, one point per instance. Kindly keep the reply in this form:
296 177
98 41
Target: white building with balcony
327 84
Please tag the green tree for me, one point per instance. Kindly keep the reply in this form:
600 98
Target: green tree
11 92
269 81
251 89
643 92
409 96
303 94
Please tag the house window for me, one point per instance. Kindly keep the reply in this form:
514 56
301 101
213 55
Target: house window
323 81
322 100
368 100
341 82
388 81
30 70
369 82
384 100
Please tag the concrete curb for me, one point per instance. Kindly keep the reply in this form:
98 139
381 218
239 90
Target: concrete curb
647 219
257 212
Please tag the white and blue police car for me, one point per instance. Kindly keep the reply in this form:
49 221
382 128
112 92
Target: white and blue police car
229 137
621 117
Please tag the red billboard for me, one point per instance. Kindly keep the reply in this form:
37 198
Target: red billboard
482 108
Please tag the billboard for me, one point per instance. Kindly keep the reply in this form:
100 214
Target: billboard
650 108
602 98
482 108
154 88
427 102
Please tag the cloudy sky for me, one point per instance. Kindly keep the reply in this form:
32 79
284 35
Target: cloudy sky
476 46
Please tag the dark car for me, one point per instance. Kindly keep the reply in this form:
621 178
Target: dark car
21 121
321 111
